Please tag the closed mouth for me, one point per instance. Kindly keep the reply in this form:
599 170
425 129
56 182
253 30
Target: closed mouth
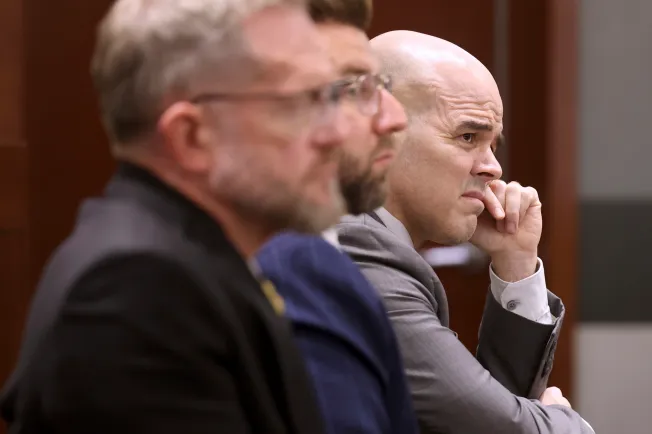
474 195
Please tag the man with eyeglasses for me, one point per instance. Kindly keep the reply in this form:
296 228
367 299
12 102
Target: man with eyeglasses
339 320
226 125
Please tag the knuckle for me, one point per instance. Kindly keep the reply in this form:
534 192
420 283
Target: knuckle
514 190
496 185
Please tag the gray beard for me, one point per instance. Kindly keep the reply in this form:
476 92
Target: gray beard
258 196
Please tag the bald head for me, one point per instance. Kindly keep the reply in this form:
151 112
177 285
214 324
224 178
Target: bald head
419 62
447 151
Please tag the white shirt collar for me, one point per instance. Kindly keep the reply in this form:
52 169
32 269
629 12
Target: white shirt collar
331 236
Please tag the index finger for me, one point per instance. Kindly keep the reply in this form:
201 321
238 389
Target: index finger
493 205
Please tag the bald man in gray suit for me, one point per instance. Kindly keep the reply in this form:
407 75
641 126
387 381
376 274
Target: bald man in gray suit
445 187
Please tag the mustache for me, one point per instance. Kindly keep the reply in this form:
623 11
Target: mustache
477 186
384 144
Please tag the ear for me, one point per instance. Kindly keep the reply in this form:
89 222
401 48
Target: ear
186 136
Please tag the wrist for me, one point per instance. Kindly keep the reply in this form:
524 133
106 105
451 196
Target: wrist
513 267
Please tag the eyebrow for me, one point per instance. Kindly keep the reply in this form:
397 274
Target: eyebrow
475 126
356 67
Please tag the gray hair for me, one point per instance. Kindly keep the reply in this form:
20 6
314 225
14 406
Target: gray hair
148 49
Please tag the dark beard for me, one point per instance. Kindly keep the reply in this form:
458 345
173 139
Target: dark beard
362 191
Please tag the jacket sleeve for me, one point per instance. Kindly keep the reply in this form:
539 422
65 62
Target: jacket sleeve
451 390
516 351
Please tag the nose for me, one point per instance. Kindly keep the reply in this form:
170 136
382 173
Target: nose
391 116
487 166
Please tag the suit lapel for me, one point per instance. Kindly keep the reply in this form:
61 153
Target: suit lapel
442 300
385 218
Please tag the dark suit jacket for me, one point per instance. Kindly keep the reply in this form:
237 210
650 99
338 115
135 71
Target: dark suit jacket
147 320
344 334
454 392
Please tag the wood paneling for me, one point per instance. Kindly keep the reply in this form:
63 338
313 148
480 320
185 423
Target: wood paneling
52 149
542 144
11 72
69 156
467 23
13 188
14 275
15 297
561 168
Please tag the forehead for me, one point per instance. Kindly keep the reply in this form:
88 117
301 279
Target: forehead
348 48
462 96
288 48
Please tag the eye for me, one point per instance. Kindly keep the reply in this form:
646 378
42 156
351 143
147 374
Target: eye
468 137
352 90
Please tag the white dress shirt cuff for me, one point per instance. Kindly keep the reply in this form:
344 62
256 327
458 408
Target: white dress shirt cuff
527 298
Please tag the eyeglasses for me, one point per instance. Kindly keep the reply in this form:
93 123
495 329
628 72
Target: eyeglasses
300 108
303 108
366 90
328 94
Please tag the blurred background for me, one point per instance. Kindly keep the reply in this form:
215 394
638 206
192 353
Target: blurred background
575 80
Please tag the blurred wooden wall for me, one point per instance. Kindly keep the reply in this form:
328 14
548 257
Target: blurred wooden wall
14 185
52 148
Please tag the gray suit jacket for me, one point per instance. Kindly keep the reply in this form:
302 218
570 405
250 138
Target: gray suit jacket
453 391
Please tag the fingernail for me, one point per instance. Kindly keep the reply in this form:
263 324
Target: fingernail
511 227
500 213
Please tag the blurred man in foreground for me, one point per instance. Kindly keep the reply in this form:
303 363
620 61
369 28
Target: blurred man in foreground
445 187
339 320
147 318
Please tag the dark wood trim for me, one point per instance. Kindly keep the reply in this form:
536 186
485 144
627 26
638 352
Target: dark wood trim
561 170
13 189
69 157
541 129
13 144
11 71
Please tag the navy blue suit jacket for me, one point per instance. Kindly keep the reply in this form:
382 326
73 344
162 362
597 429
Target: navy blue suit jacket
344 334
